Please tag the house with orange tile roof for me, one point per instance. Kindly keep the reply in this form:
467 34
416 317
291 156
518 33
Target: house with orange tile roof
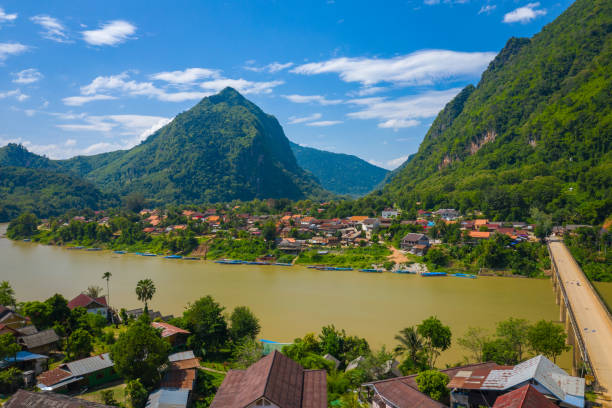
480 234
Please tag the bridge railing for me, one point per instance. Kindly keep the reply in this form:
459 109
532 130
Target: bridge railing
574 324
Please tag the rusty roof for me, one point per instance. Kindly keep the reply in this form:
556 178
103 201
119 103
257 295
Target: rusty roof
276 378
51 377
525 397
184 364
403 392
182 379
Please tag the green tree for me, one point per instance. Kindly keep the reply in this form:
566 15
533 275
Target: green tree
8 346
145 289
436 257
106 276
412 347
23 226
136 393
498 351
547 338
204 319
139 352
135 202
437 338
39 313
244 324
543 223
514 333
7 295
79 344
247 352
108 397
474 340
93 291
433 383
269 232
10 380
59 308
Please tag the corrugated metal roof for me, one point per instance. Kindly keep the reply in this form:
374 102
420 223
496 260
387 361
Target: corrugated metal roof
540 369
90 364
168 398
183 355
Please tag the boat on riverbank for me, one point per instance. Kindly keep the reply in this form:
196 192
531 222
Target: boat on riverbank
328 268
75 247
405 271
229 262
464 275
148 254
173 257
430 274
120 252
191 258
93 249
371 270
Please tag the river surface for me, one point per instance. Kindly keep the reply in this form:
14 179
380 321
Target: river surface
289 301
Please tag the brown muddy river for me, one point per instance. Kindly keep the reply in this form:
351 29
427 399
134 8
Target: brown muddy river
289 301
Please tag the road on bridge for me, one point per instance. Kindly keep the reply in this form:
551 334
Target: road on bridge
593 321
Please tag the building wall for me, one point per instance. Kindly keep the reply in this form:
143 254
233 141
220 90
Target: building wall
103 311
101 377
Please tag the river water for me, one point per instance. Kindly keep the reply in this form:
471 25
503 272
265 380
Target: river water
289 301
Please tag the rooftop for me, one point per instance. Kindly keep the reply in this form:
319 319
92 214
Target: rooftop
168 329
84 300
27 399
525 397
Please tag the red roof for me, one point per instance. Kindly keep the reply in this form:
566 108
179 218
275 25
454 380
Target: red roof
183 379
54 376
168 329
524 397
83 301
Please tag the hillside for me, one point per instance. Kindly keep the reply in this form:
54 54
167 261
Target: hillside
534 132
339 173
223 148
45 193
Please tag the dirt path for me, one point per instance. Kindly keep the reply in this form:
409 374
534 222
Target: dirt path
397 256
593 320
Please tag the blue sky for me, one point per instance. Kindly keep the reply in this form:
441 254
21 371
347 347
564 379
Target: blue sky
358 77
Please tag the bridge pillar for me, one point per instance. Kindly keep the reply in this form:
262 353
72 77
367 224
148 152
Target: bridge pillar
562 312
558 295
568 328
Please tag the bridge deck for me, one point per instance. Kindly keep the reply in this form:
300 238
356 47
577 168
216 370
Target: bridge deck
593 320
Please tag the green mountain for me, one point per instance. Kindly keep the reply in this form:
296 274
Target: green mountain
223 148
45 192
339 173
18 156
535 132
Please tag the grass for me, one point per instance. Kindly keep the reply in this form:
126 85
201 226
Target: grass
95 395
360 257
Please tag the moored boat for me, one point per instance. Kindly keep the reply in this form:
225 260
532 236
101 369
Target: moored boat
429 274
371 270
173 257
120 252
464 275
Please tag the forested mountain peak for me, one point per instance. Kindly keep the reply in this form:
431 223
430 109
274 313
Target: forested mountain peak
534 132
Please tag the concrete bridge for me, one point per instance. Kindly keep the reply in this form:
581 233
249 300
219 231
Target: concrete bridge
588 322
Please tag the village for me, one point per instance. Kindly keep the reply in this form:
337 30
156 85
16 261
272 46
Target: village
426 241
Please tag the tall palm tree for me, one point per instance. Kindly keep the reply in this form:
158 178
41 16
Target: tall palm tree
145 289
107 276
410 343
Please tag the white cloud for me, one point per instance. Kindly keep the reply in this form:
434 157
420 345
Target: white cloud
320 99
272 67
8 49
367 91
5 18
295 120
487 9
186 76
53 29
81 100
70 142
14 93
431 2
241 85
324 123
394 163
403 112
111 33
27 76
418 68
524 14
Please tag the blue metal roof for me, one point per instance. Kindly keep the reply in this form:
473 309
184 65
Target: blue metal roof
168 398
22 356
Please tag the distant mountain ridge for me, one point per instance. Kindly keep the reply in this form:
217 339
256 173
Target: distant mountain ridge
339 173
535 132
